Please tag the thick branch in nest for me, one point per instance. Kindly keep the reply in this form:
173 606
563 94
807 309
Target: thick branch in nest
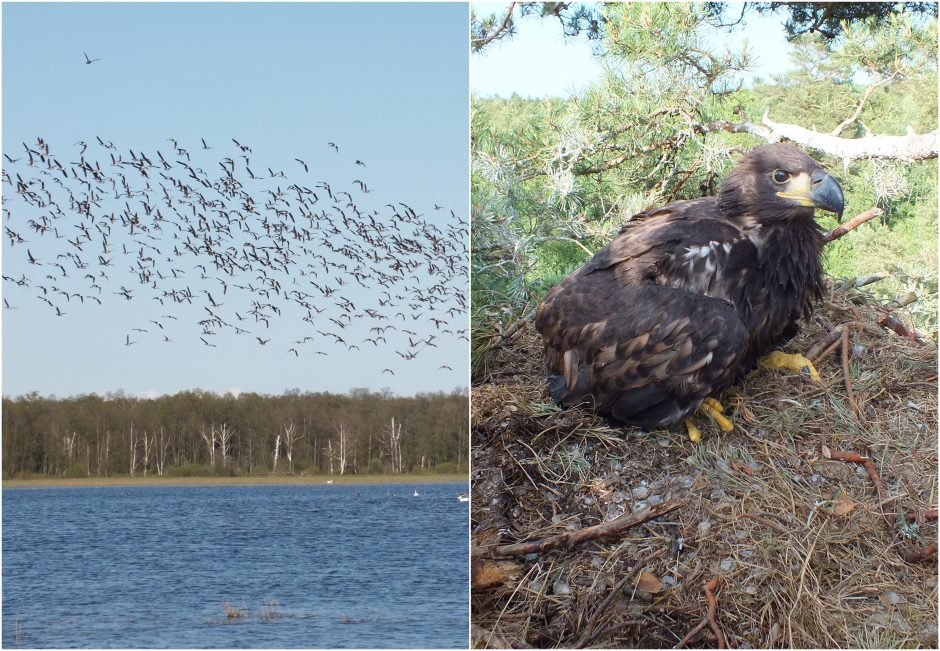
572 538
891 323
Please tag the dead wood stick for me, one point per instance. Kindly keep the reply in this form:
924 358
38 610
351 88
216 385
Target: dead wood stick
847 372
854 457
896 326
572 538
852 224
710 588
921 554
850 283
834 335
824 354
688 636
913 556
911 516
509 332
824 346
708 619
588 636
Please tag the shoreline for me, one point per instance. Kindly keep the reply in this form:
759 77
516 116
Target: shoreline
250 480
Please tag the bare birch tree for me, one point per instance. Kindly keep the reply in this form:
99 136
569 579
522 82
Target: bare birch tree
70 446
149 441
163 444
224 437
132 451
277 454
290 437
210 439
340 453
392 444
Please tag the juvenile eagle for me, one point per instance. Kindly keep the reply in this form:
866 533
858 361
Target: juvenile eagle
690 296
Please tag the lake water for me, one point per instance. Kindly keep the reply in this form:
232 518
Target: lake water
306 566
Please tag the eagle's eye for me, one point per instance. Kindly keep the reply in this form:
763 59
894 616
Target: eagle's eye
780 176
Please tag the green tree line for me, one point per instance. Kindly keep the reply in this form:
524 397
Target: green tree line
197 432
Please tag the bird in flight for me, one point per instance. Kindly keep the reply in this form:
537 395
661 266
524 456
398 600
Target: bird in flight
237 225
89 61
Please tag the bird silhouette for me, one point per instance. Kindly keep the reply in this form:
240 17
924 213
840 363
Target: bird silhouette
178 227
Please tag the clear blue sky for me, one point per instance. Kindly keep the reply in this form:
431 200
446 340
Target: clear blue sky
539 61
388 83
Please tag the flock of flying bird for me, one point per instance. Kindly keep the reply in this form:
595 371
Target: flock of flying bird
241 241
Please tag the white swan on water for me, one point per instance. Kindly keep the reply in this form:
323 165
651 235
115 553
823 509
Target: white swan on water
416 493
463 498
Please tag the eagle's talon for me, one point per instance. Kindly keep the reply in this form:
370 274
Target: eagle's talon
714 404
796 362
695 434
715 410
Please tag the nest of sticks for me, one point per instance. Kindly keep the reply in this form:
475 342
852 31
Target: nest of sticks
812 524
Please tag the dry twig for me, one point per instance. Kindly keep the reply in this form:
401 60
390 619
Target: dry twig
710 588
847 372
709 619
588 636
893 324
854 457
921 554
913 556
570 539
852 224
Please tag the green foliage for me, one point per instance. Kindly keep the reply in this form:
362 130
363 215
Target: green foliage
45 435
224 471
574 19
76 470
830 19
376 467
187 470
448 468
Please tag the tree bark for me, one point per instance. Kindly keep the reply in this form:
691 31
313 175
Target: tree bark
909 147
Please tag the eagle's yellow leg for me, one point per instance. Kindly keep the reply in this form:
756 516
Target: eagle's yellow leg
798 363
714 410
695 434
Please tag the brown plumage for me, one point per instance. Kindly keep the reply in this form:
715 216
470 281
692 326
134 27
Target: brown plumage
689 296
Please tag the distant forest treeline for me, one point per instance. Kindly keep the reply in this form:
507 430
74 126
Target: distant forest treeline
196 432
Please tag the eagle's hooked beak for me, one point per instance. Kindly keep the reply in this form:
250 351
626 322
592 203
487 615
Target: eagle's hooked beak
826 193
818 190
